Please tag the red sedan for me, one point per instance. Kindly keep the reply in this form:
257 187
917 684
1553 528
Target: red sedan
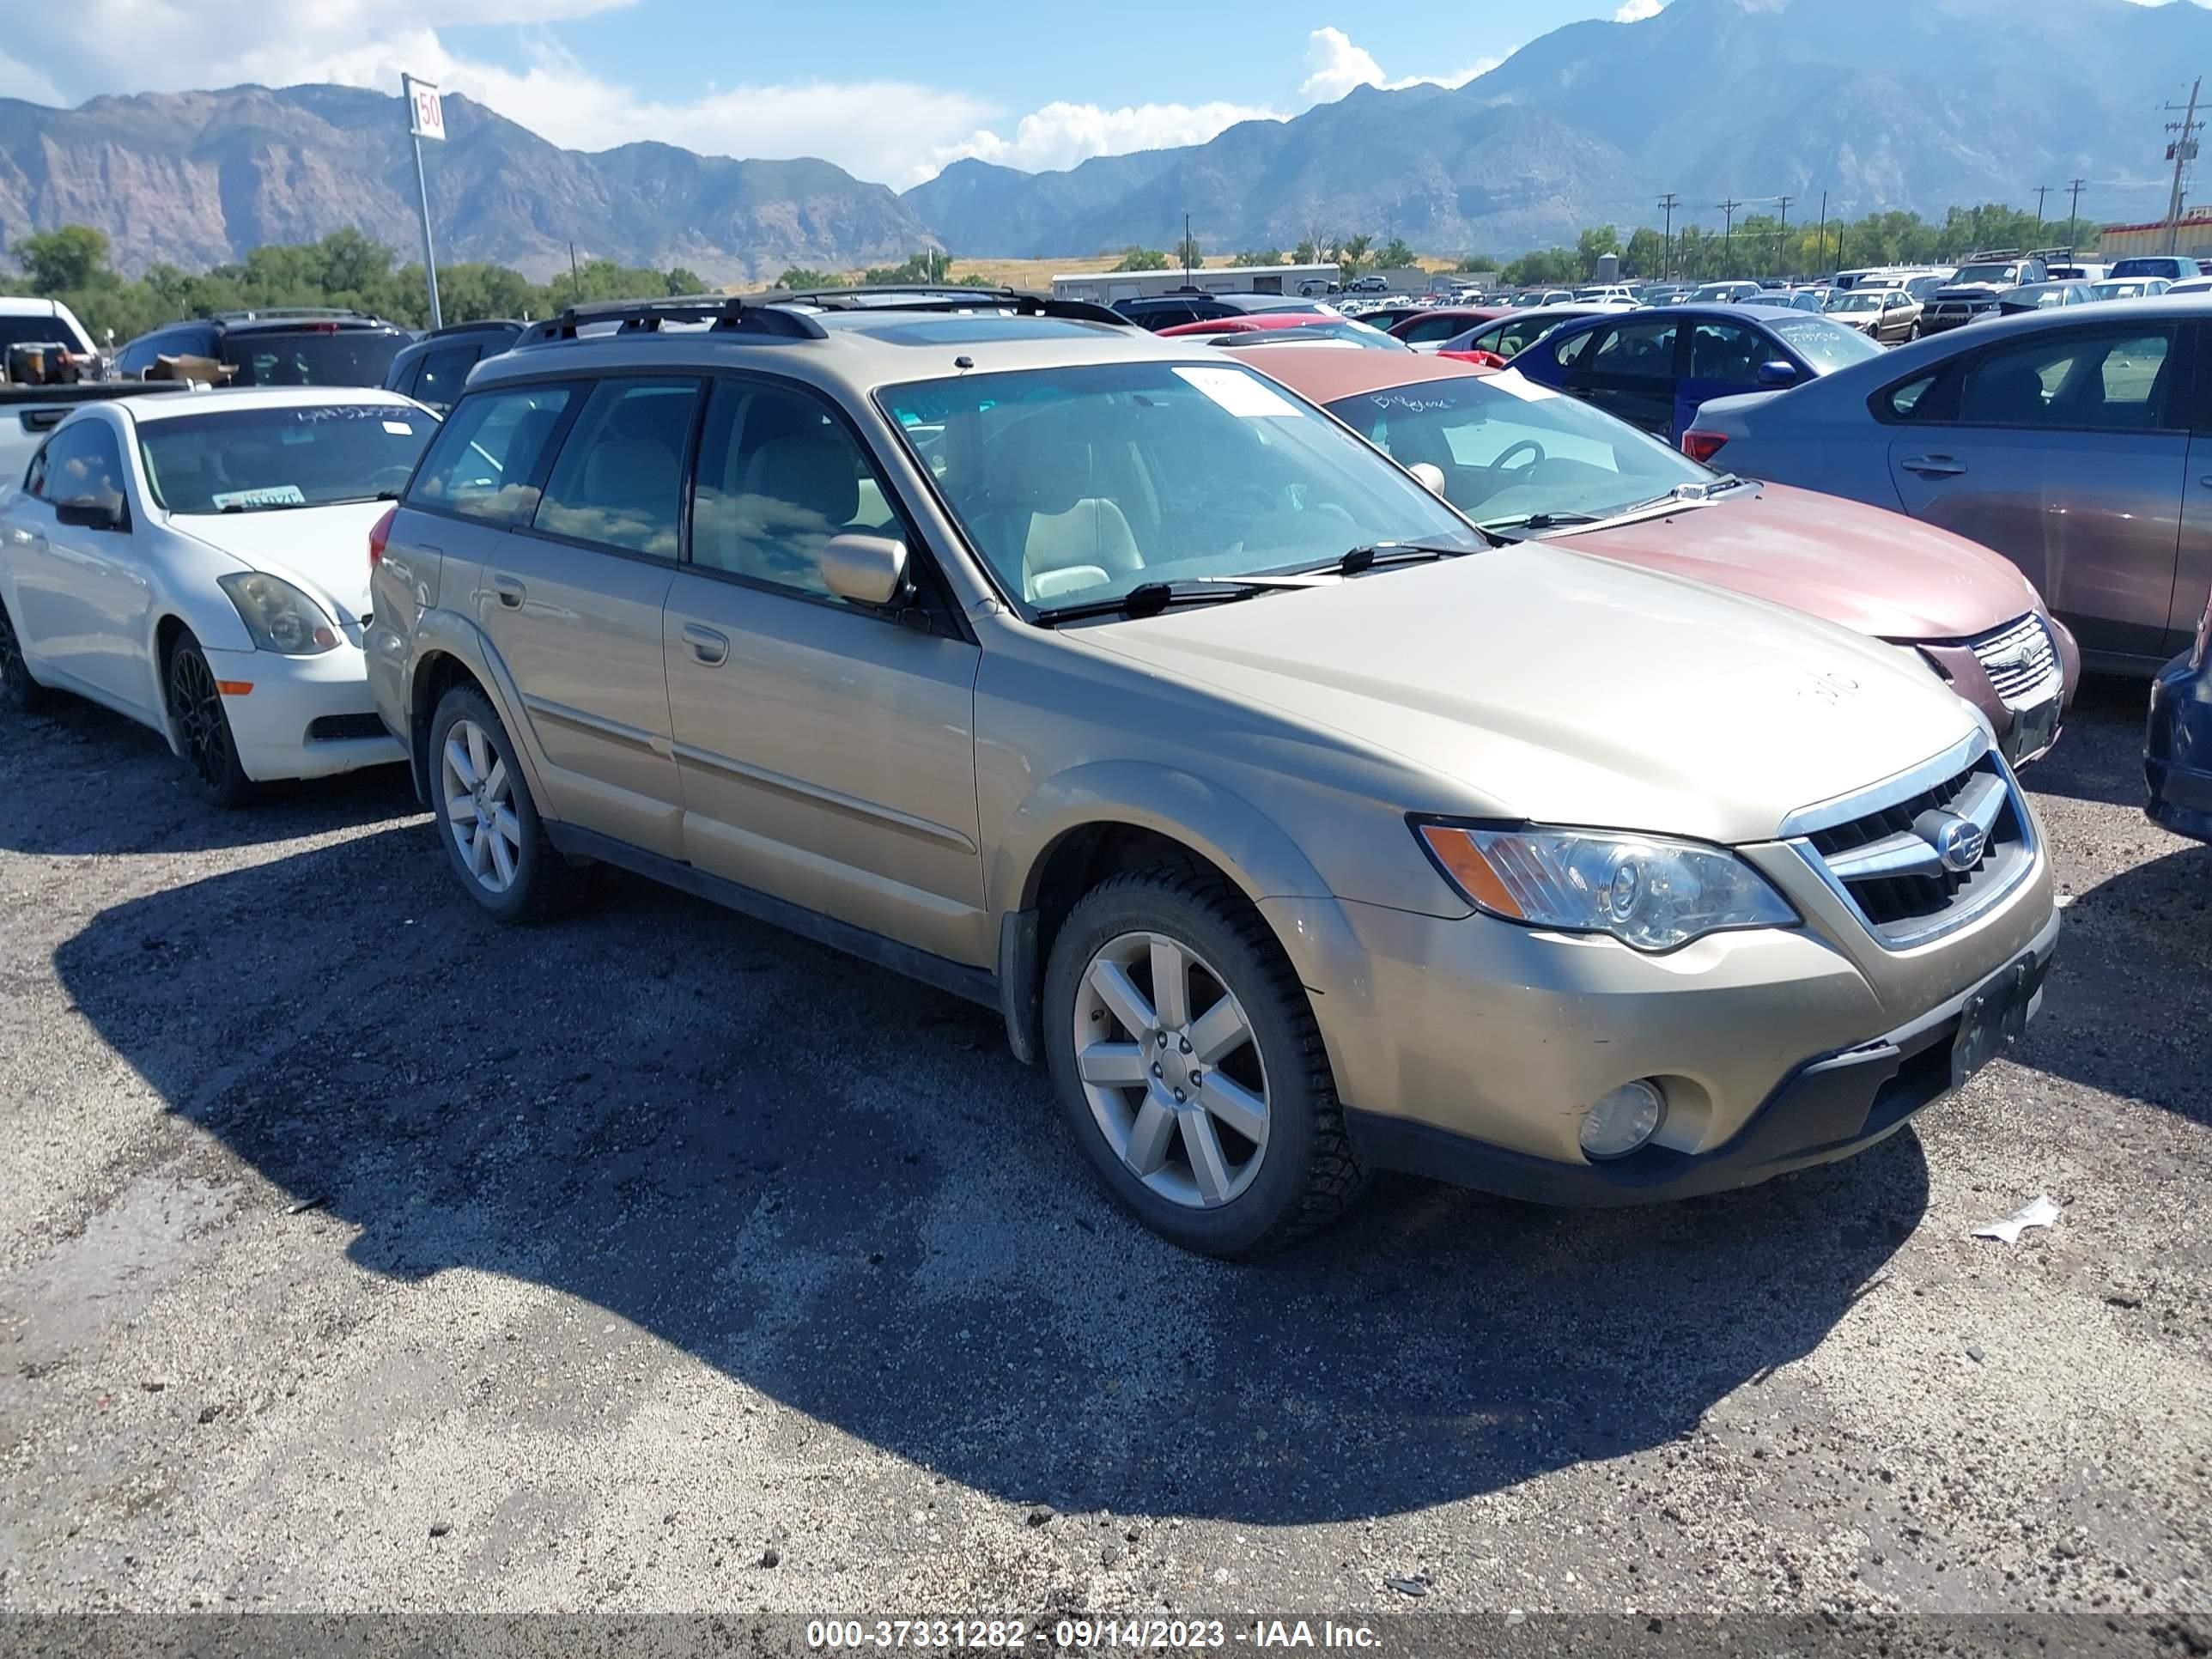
1428 329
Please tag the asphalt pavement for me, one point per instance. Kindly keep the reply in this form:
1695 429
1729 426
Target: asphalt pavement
355 1252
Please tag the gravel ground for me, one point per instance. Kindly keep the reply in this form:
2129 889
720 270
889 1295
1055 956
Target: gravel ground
355 1254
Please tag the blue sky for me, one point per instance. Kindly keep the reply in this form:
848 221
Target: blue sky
885 87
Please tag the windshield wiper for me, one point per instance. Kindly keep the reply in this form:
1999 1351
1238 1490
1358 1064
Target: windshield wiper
1149 599
1503 528
1694 494
1353 561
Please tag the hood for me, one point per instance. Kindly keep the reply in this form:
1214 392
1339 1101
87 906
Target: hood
1872 571
324 549
1973 290
1546 684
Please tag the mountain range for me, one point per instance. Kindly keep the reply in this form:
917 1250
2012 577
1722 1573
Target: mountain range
1881 103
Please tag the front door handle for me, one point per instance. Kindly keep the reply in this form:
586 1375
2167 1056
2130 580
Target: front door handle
510 591
2206 481
1934 466
709 646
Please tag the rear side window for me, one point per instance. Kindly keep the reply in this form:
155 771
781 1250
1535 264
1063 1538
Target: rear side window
486 457
620 478
1634 351
2081 379
1431 328
439 375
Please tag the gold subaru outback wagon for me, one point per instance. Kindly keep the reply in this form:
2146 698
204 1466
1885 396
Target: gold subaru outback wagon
1297 826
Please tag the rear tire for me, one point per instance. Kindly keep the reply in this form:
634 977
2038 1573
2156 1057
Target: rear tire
1210 1114
202 728
485 819
19 693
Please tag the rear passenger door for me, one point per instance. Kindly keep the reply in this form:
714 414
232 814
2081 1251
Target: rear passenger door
1724 360
2066 450
571 598
1628 370
827 751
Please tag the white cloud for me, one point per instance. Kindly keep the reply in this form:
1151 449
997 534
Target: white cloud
893 131
1635 11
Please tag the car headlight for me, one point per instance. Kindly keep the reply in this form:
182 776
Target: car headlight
1647 892
279 617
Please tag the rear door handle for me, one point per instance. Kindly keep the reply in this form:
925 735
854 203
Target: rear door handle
709 646
510 591
1934 466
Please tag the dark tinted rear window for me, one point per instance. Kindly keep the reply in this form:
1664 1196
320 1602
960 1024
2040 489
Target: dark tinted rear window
354 356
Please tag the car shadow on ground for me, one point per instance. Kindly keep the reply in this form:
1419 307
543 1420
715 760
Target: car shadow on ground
836 1185
2134 950
67 738
2091 761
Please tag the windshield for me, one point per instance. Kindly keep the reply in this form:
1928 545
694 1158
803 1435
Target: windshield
2145 268
38 331
1823 344
353 357
1862 299
1076 485
2000 276
240 461
1509 448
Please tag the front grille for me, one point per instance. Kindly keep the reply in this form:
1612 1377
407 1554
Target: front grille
2020 660
1887 863
343 728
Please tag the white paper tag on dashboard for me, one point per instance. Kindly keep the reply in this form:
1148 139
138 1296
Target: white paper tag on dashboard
1240 392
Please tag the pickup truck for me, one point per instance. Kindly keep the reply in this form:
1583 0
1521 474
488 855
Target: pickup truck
28 322
28 413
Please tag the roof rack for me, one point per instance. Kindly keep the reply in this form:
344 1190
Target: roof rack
787 313
1996 253
480 322
272 313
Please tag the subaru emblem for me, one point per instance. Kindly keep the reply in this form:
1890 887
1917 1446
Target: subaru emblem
1958 843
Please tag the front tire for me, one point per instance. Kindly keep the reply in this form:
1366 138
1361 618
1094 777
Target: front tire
202 727
1187 1057
486 819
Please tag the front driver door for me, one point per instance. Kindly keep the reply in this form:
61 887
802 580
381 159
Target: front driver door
827 751
84 589
2066 451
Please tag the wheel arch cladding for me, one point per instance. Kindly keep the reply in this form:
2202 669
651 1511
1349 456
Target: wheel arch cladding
442 633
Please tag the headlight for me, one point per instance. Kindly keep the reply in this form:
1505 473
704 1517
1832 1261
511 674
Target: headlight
1647 892
279 617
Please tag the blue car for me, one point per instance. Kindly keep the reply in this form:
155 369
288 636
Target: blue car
1652 369
2177 745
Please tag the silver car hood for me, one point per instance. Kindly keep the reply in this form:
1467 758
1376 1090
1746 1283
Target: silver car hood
1549 685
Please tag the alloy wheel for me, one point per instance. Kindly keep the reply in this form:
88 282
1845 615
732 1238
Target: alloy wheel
1172 1070
196 703
480 814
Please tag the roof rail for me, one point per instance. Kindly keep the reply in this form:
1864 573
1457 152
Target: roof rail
647 316
780 314
480 322
937 296
1996 253
260 313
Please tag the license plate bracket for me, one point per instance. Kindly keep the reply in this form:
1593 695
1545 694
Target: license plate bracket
1994 1018
2034 727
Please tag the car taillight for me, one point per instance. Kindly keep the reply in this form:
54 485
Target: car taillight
1702 446
378 533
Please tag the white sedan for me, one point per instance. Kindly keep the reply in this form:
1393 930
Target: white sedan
200 563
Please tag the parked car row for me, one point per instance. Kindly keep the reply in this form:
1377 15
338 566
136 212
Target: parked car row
1303 763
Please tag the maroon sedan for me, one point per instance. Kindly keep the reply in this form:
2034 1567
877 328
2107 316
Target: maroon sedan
1427 330
1522 461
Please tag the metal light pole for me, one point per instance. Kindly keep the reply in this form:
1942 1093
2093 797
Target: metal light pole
426 118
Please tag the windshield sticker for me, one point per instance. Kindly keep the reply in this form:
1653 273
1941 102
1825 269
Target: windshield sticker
272 496
400 429
1243 395
1513 381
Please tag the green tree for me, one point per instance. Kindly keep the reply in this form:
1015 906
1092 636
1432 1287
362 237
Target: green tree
1645 253
932 265
1256 256
1307 252
1189 255
1397 254
1351 254
71 258
1471 262
1594 245
1143 259
682 281
800 277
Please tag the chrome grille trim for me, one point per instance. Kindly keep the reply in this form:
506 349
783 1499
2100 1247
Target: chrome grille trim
2021 658
1901 894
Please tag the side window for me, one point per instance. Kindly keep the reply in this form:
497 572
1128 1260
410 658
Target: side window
83 466
2080 380
439 374
778 476
135 359
1911 401
1432 328
1633 351
1570 352
1727 353
485 457
619 481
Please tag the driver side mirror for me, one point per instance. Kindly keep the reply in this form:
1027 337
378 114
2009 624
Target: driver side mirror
1430 475
865 569
92 515
1778 374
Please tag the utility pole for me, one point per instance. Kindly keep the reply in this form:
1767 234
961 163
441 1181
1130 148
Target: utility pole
2183 150
1782 237
1667 204
1727 232
1820 255
1186 250
2041 190
2074 211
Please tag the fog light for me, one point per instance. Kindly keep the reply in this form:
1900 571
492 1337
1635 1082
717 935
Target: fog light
1624 1120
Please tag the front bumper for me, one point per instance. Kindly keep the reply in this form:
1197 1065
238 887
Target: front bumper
306 717
1471 1047
2025 731
2178 750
